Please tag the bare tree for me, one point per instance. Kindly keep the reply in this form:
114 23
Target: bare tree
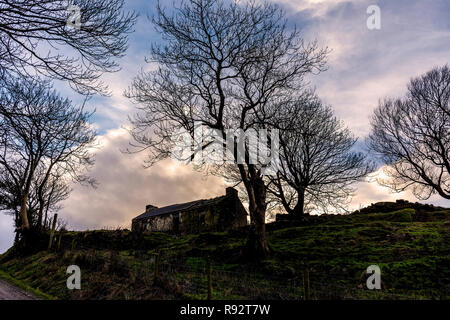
36 37
42 200
222 64
412 136
43 139
230 173
51 187
9 201
318 161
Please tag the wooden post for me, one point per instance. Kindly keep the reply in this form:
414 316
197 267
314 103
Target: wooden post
59 240
73 244
52 233
156 268
306 291
209 280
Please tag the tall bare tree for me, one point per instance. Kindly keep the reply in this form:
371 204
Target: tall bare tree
43 199
75 41
221 65
51 187
412 136
42 137
318 164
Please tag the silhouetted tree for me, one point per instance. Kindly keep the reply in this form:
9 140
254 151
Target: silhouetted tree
50 188
35 38
318 163
43 199
43 139
412 136
221 65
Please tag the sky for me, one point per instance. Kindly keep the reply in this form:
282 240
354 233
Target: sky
363 66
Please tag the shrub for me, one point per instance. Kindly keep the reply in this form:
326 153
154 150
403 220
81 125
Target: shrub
404 215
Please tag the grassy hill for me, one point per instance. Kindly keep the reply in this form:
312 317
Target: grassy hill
409 242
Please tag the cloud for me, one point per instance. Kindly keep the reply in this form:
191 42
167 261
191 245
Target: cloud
367 65
125 186
370 192
314 7
6 232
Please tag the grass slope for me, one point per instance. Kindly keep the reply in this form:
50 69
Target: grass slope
411 246
20 284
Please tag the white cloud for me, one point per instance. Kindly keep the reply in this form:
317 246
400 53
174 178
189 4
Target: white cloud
367 65
6 232
125 186
317 7
372 192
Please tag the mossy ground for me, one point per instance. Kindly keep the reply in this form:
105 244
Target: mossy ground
412 252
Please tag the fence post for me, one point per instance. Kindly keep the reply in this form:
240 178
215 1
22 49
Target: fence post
52 233
59 240
73 244
306 291
209 280
156 268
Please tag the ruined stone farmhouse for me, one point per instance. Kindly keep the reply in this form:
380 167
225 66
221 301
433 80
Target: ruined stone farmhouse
217 214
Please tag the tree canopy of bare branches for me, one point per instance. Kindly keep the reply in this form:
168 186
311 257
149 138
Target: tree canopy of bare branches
45 141
412 136
317 164
221 65
35 38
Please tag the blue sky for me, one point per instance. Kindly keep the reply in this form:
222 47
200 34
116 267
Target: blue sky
363 66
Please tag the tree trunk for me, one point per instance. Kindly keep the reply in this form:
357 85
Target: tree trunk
256 247
25 224
299 208
42 201
16 239
40 215
27 234
45 220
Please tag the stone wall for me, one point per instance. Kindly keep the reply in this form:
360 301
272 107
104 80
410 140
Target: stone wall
227 213
159 223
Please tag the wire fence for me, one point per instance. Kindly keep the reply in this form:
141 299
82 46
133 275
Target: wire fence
200 278
206 281
210 282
